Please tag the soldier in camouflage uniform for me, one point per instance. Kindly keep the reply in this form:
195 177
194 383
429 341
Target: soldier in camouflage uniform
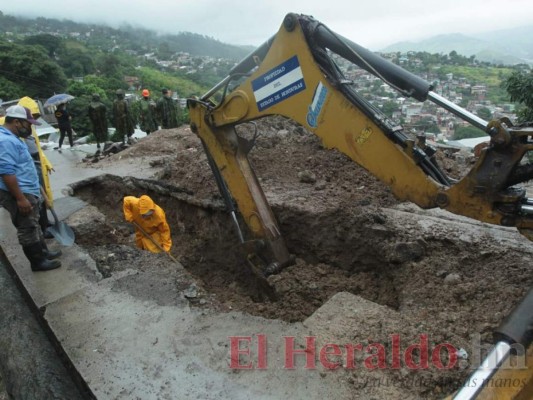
122 117
147 113
97 115
167 111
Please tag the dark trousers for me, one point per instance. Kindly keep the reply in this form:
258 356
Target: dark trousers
63 132
28 228
43 217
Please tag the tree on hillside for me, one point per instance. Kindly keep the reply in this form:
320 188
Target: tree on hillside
109 65
111 70
76 62
8 89
484 113
428 125
389 107
164 51
520 88
31 70
467 132
49 42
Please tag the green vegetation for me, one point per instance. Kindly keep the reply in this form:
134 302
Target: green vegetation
97 62
135 39
467 68
520 87
27 70
155 80
491 76
484 113
467 132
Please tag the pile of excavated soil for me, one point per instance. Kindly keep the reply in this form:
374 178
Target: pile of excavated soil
290 163
330 212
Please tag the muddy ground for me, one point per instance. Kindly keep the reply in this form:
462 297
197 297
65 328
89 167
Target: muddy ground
331 213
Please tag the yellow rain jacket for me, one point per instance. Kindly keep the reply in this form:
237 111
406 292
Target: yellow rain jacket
46 166
155 225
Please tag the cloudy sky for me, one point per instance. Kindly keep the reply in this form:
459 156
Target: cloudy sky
373 24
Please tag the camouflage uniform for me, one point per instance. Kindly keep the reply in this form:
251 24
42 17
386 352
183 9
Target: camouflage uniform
122 116
97 115
147 114
167 111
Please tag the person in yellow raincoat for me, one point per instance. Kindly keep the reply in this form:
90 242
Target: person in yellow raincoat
150 217
46 166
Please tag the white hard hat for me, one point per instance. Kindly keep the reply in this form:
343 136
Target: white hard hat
17 112
20 112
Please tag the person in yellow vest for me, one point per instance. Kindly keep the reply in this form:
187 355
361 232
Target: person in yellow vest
150 218
41 161
46 165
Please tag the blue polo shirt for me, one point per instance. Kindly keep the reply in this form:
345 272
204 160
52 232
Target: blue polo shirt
15 159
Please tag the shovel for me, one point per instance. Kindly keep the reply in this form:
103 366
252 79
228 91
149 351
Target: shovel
60 230
154 241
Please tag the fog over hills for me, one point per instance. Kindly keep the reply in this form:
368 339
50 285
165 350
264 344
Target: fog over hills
509 46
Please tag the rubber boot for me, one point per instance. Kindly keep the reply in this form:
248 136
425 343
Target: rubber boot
38 261
50 255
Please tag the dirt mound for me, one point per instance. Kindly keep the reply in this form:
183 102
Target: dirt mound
440 281
291 164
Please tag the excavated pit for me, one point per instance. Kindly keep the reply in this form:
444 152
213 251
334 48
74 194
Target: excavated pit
352 250
334 252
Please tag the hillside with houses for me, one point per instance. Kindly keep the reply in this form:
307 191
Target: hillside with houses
475 86
84 58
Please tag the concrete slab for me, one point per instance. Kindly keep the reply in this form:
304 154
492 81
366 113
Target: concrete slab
65 206
77 271
441 224
129 347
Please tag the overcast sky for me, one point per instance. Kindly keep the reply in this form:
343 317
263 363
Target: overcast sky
370 23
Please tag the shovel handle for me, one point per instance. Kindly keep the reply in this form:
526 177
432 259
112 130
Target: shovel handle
49 206
46 199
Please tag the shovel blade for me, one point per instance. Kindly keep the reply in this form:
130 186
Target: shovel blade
63 233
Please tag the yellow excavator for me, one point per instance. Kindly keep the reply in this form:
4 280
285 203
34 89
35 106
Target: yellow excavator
294 74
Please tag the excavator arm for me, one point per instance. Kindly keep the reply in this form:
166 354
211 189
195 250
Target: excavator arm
293 74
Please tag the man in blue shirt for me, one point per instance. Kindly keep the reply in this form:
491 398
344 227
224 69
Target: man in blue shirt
20 189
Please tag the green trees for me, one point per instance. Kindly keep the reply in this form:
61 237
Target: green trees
9 90
76 60
484 113
49 42
467 132
429 125
520 88
28 71
389 107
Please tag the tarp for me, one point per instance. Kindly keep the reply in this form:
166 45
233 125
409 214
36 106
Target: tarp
45 128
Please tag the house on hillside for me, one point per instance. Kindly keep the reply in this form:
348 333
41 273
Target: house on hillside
479 92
